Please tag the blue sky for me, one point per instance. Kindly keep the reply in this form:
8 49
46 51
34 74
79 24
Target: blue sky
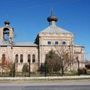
29 17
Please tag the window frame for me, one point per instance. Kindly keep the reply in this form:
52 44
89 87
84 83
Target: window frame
21 58
63 42
28 58
49 42
16 58
33 58
56 42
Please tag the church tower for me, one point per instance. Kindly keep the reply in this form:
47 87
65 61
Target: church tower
52 37
6 33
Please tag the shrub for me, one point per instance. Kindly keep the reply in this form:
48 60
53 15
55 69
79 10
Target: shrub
87 66
25 69
82 71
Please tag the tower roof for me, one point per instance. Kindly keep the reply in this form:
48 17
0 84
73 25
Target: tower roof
52 18
53 28
6 22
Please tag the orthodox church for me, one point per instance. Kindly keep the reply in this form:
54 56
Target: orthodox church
51 38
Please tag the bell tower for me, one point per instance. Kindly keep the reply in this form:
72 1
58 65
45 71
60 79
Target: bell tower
6 33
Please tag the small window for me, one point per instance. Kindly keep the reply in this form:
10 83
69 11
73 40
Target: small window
29 58
56 42
21 58
33 58
63 42
3 56
16 58
3 59
49 42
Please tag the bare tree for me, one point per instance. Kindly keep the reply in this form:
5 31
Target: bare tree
66 55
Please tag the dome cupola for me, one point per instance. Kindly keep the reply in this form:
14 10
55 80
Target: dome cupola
52 18
6 23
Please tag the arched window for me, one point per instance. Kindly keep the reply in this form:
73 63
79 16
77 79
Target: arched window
6 34
21 58
63 42
33 58
3 59
16 58
56 42
29 58
49 42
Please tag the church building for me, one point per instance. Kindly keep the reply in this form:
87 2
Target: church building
51 38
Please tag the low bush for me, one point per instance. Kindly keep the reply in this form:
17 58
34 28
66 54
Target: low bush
82 71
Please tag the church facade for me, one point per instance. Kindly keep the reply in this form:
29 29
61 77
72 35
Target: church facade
51 38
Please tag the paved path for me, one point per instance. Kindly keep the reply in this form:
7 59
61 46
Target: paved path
55 85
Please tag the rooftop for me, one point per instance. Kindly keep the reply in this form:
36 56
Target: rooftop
53 29
19 44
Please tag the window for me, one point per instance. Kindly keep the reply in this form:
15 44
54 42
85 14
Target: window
21 58
3 56
33 58
3 59
16 58
29 58
6 34
63 42
56 42
49 42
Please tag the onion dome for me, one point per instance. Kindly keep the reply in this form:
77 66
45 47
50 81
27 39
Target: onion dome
52 18
6 22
